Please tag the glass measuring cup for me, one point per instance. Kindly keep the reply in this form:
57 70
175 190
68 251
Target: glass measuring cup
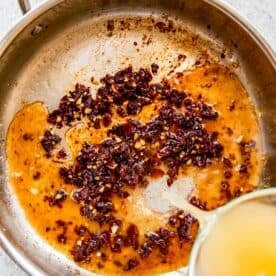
250 249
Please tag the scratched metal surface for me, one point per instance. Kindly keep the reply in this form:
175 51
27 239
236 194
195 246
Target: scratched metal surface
261 14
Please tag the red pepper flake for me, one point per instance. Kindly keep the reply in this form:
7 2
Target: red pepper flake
100 265
121 111
197 62
229 131
183 222
36 176
154 68
81 230
227 162
245 149
103 257
159 240
179 75
57 198
132 236
97 123
62 238
173 220
228 174
117 244
106 119
117 263
181 57
232 106
61 154
83 248
198 203
131 264
28 137
49 142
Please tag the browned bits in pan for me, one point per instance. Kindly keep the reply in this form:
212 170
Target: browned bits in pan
154 68
132 236
63 225
181 57
126 158
159 240
61 154
232 106
228 174
227 162
245 149
27 137
131 264
85 247
57 198
49 142
183 223
165 27
198 203
36 176
110 25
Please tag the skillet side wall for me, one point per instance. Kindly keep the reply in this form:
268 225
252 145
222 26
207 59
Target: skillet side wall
23 80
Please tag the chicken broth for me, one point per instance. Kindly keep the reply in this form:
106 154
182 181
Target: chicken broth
245 237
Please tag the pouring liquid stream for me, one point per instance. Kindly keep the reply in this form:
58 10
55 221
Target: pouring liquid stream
161 198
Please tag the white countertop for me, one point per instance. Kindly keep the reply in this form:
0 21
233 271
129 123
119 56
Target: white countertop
260 13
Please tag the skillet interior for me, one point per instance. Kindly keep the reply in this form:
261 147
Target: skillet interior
71 43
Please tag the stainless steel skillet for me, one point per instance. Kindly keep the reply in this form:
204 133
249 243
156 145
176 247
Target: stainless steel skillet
62 42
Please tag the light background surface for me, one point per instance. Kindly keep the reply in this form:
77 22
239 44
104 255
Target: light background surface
260 13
